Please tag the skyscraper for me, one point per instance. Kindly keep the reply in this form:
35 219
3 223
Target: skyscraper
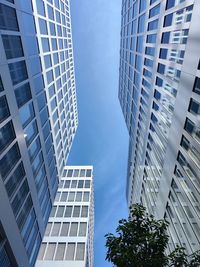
159 87
68 239
38 120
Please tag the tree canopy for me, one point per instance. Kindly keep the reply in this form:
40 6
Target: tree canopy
142 241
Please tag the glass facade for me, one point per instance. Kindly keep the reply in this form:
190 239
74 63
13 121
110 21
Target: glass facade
152 82
38 113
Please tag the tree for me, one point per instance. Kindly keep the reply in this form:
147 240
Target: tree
142 241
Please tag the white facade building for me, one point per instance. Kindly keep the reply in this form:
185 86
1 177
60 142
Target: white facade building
68 240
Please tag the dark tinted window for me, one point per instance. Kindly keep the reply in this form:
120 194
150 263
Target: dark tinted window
165 37
8 162
154 11
18 71
7 134
163 53
168 20
170 4
13 46
4 110
23 94
1 85
8 18
196 88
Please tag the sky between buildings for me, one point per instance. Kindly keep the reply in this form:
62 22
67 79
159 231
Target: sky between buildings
102 137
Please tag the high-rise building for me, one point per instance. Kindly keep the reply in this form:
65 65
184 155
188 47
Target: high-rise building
38 120
68 239
159 88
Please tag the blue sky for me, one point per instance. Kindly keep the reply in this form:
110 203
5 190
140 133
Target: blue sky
102 137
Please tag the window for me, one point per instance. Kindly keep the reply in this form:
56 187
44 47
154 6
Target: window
71 196
153 25
154 11
196 87
74 184
148 62
23 94
163 53
43 26
150 51
26 114
40 7
157 95
140 41
141 23
87 183
68 211
41 101
50 12
7 135
142 5
80 251
4 110
45 45
151 38
78 196
8 18
73 229
8 162
55 229
53 211
64 196
76 211
48 229
13 46
82 229
70 251
88 173
161 68
76 173
50 76
42 251
50 251
170 4
194 107
64 229
147 73
54 44
1 85
80 183
60 251
15 180
82 173
18 71
48 62
168 20
189 126
55 58
20 197
67 184
84 211
38 84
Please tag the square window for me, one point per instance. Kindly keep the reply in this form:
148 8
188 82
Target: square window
170 4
